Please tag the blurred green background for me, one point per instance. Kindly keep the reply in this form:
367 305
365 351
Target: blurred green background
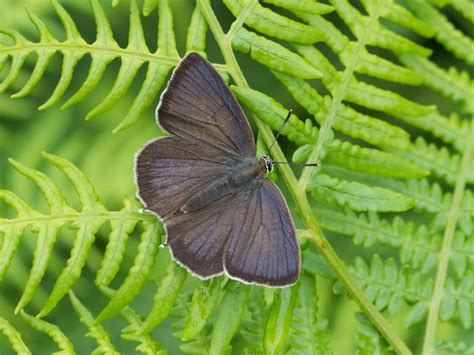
107 159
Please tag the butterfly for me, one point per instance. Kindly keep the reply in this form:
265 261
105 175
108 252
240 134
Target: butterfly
222 214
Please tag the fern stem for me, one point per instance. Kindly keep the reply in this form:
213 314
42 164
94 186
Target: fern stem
339 96
239 21
298 193
90 49
71 217
441 274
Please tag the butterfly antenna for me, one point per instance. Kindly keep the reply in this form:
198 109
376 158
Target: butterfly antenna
295 164
290 111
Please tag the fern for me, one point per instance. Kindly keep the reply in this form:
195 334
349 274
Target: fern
87 222
200 343
308 336
103 51
386 113
253 323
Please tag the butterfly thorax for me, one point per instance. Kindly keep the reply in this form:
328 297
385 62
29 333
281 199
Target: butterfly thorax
249 171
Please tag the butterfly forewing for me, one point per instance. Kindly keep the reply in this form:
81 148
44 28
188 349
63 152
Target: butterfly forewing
197 105
170 170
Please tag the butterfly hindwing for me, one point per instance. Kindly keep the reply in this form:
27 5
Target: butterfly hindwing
197 239
264 249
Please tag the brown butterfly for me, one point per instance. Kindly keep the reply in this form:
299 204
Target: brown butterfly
221 212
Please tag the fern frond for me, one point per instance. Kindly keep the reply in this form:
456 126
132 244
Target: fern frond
368 339
445 32
96 331
357 196
53 331
458 300
14 337
115 250
205 297
418 246
450 347
200 344
138 273
390 288
433 200
273 55
396 13
381 37
305 6
279 319
271 23
304 134
359 92
102 52
253 322
452 83
86 222
147 344
166 295
438 160
348 120
196 36
308 336
463 253
233 305
465 8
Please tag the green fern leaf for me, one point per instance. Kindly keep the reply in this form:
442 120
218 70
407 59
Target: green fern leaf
440 161
308 336
357 196
115 250
446 33
138 273
458 301
146 343
96 331
53 331
201 342
450 347
380 36
368 340
230 313
391 289
86 222
279 319
459 87
273 55
204 299
253 323
102 51
271 23
14 337
416 243
348 120
196 37
165 297
305 6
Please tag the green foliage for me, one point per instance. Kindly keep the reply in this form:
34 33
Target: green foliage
385 111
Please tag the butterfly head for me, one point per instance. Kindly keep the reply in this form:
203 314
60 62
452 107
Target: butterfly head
266 164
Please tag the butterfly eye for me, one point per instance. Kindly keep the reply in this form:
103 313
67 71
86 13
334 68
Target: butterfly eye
269 165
